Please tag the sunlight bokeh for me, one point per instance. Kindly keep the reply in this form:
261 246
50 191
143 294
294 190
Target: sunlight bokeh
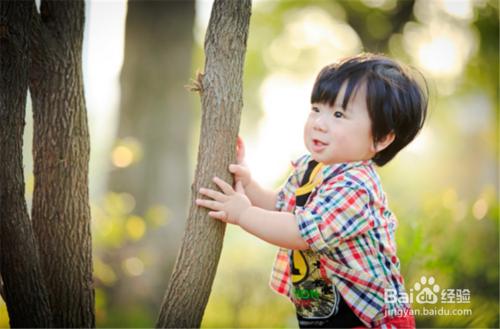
463 9
279 136
441 50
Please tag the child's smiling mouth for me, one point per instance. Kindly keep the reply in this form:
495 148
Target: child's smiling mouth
317 142
318 145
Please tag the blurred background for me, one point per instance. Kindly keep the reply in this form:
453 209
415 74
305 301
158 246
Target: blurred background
145 127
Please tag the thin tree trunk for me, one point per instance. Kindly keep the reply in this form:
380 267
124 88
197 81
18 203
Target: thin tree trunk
221 89
61 147
24 290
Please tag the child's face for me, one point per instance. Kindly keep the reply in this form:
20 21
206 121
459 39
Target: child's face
335 135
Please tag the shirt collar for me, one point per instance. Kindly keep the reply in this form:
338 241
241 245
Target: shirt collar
335 169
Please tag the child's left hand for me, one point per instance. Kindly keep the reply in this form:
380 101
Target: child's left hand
227 206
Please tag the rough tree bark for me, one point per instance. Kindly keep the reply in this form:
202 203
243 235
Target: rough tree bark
61 147
221 93
24 290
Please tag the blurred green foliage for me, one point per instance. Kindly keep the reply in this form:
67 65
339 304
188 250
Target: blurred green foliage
456 242
122 260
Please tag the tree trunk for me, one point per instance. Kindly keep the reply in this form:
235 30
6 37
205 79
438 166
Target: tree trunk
24 290
154 108
155 113
221 92
61 213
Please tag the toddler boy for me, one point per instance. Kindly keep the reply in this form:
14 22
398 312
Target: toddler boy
331 219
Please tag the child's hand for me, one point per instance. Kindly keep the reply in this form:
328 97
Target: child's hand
240 151
241 174
240 170
227 206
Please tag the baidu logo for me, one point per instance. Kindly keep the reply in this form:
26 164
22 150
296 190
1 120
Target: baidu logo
427 291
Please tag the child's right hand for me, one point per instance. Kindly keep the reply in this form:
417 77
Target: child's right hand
240 170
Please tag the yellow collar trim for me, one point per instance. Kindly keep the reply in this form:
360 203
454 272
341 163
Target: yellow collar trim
314 180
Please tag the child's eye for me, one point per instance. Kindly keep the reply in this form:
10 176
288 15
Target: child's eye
338 114
315 109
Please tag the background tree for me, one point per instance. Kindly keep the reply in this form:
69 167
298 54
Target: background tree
51 61
222 100
24 289
375 26
157 59
155 121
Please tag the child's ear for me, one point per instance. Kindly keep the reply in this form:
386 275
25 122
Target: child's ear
384 142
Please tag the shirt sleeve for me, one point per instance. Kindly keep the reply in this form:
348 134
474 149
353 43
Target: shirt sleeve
337 213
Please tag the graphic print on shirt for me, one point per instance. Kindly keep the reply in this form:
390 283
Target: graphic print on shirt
300 270
314 298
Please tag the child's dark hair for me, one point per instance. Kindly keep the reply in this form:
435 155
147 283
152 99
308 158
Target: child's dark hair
396 101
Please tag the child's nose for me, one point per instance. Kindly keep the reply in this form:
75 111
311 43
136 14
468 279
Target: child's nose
319 124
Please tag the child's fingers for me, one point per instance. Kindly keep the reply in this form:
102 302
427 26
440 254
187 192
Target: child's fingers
240 150
218 214
239 170
213 194
234 168
214 205
225 187
239 187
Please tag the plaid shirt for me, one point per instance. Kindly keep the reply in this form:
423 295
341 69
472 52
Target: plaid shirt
346 219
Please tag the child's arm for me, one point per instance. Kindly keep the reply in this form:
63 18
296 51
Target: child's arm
278 228
275 227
